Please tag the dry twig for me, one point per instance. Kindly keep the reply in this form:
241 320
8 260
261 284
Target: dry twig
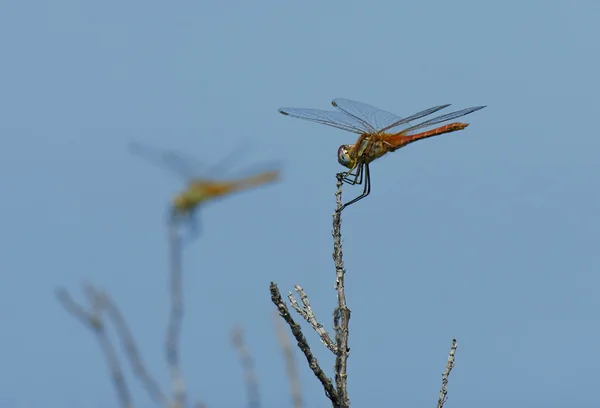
131 351
307 313
237 338
341 318
449 365
93 320
101 302
341 315
290 362
303 345
175 318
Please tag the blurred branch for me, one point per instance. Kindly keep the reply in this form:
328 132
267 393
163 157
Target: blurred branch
290 362
93 320
303 345
341 315
449 365
131 351
237 338
307 313
101 302
175 318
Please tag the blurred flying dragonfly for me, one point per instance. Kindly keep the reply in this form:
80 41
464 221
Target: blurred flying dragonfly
200 190
380 132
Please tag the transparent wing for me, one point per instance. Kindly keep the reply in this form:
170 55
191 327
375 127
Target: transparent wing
330 118
184 167
371 118
257 169
225 164
189 167
416 116
358 117
443 118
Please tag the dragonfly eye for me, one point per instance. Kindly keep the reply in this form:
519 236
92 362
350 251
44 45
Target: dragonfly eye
344 156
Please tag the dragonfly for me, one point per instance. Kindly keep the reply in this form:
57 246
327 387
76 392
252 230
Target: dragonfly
200 190
380 132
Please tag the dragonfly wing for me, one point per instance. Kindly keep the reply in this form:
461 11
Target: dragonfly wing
416 116
220 168
172 160
370 117
443 118
330 118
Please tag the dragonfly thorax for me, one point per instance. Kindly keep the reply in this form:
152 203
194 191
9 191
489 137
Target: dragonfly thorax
345 156
181 203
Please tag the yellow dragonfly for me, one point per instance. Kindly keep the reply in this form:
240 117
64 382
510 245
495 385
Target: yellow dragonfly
200 190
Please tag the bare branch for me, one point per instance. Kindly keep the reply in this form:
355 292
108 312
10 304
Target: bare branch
93 320
237 337
342 312
449 365
131 349
290 362
307 313
175 318
303 345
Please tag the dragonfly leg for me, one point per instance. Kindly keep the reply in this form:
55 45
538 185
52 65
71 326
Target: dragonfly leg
347 178
356 178
193 229
366 190
178 220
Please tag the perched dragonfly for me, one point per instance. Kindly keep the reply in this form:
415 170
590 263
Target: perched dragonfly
199 190
380 132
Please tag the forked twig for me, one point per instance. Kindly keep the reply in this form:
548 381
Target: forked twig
307 313
290 362
341 315
94 321
449 365
102 303
131 350
303 345
237 337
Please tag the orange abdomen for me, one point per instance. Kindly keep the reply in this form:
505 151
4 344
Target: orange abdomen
399 140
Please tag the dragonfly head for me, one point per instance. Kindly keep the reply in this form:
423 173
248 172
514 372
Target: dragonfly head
346 157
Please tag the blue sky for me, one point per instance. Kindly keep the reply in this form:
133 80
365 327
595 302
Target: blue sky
488 235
